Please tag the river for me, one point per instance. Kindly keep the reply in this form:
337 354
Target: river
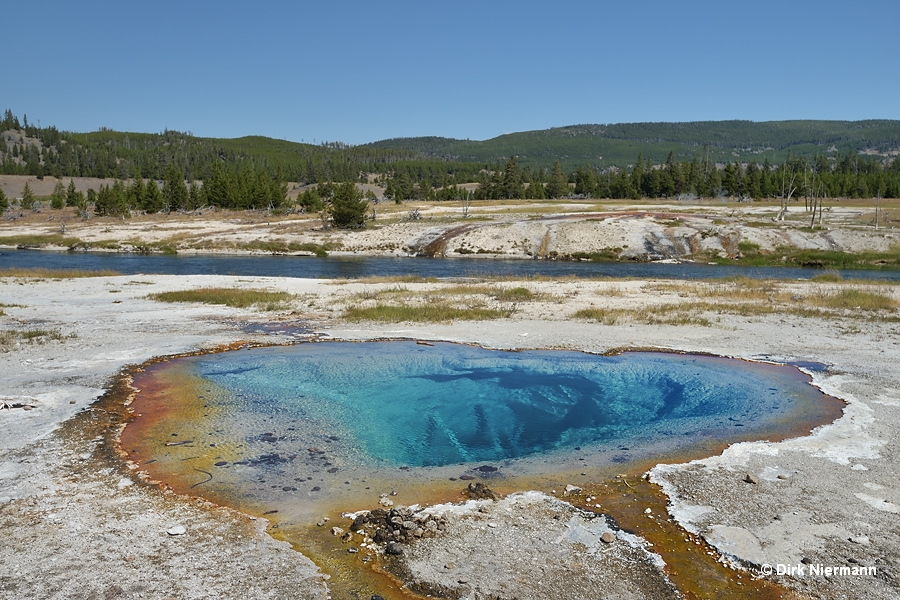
352 267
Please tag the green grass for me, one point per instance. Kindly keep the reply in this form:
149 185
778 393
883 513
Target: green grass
604 255
40 240
279 246
499 293
386 279
38 273
233 297
666 314
856 299
424 313
821 259
828 277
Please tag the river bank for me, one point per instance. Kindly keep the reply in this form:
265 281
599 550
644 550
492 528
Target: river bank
604 230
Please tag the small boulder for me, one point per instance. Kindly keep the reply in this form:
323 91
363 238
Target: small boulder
751 478
337 531
608 537
176 530
479 491
393 548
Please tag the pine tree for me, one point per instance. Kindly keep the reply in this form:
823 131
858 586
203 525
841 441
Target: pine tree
174 191
558 186
195 196
348 207
27 197
58 198
4 201
153 200
512 180
73 196
310 200
136 193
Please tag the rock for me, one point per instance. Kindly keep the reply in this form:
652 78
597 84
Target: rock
381 535
337 531
466 477
347 537
393 548
806 561
608 537
113 592
386 502
751 478
486 469
322 521
782 476
573 489
463 581
176 530
352 550
376 597
860 539
647 511
479 491
449 566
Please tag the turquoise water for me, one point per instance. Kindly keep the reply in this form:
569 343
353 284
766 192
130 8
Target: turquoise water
397 403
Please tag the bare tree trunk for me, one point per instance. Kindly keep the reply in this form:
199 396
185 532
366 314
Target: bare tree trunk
787 190
821 202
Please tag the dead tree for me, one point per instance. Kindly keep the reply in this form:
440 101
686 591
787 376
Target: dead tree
787 189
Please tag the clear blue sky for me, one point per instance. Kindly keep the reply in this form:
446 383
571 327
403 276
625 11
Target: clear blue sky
362 71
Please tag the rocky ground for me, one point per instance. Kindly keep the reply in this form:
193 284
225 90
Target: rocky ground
513 229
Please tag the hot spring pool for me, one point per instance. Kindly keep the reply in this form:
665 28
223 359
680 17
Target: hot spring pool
295 427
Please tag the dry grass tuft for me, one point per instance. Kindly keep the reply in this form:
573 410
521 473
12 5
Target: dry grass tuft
422 313
38 273
10 337
233 297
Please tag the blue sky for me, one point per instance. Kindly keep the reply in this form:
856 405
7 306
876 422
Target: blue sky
362 71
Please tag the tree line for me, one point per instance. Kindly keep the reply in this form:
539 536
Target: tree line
108 154
251 173
842 176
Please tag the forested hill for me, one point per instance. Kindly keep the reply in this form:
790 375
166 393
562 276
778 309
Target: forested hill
601 146
440 162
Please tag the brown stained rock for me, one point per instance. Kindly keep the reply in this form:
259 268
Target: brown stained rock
479 491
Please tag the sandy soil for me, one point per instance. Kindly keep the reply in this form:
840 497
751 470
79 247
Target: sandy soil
75 525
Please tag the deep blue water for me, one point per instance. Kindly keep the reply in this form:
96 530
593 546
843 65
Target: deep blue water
400 403
356 267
